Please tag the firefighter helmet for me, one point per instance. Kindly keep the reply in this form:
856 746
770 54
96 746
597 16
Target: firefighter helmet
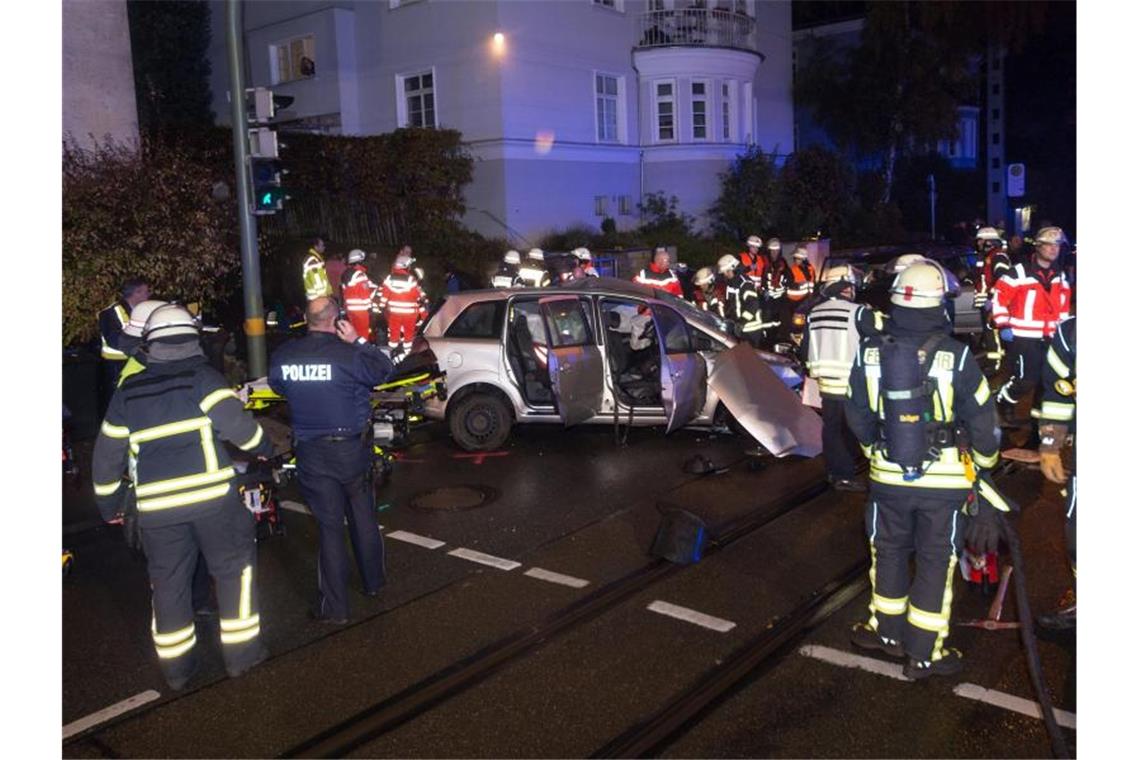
839 273
511 257
800 254
169 321
727 263
1049 236
922 285
355 256
582 254
774 244
904 261
139 316
535 254
987 233
755 241
704 277
403 261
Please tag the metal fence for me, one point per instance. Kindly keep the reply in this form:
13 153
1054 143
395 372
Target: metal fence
701 27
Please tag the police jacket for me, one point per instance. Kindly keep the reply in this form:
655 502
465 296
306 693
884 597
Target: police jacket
314 276
172 419
1059 377
960 398
328 384
834 329
507 276
112 320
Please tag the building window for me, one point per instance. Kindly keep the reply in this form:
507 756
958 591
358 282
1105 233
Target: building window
664 108
416 104
293 59
601 205
625 205
606 103
725 112
995 163
700 104
617 5
996 138
995 187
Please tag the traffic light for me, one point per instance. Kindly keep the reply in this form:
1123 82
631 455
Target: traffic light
262 105
265 169
265 177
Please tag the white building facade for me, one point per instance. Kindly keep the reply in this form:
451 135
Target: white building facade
98 76
573 109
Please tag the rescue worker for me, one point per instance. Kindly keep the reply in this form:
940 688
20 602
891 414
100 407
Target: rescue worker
327 378
774 311
586 260
172 419
507 275
801 278
1058 419
991 265
112 320
403 302
830 274
659 275
741 302
359 294
915 396
313 274
1028 303
533 272
754 262
834 329
130 341
706 295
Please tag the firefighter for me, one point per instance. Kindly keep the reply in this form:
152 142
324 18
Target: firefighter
1028 303
923 415
507 275
659 275
327 378
773 303
533 272
586 260
741 302
802 278
403 302
171 420
112 320
708 294
754 261
1058 419
359 294
991 265
831 340
313 274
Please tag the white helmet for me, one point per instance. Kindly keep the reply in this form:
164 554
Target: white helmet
920 286
535 254
755 240
168 321
582 254
800 253
704 277
774 244
355 256
511 257
904 261
1049 236
839 273
727 264
139 316
987 233
403 261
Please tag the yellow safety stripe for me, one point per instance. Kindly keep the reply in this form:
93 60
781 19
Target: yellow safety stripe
106 489
837 386
1057 363
1058 411
252 442
240 637
982 460
222 394
188 481
240 624
990 494
867 450
874 621
947 471
182 499
169 653
889 606
209 453
172 428
927 621
114 431
982 394
947 597
244 601
170 639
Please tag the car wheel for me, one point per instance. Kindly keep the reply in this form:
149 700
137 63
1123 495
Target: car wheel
480 422
724 419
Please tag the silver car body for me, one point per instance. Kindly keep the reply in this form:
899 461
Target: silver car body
697 373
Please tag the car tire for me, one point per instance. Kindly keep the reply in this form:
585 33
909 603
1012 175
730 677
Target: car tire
479 421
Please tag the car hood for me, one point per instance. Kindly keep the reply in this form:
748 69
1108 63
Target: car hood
763 405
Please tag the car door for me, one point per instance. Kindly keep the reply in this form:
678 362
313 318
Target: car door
574 359
683 372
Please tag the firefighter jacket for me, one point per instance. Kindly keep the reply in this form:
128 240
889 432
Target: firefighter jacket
754 266
171 421
742 303
112 320
314 276
960 400
401 295
831 341
533 275
775 279
358 289
801 281
328 384
662 279
987 271
507 276
1059 377
1031 301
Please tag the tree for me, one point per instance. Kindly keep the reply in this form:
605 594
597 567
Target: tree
816 194
748 196
662 219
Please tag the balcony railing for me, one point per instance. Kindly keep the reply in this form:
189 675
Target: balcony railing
699 27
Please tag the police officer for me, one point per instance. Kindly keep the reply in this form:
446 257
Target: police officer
172 419
112 320
920 479
313 274
327 378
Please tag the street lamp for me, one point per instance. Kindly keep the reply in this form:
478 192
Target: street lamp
499 43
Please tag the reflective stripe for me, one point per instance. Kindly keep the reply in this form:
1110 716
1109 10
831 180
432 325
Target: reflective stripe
182 499
209 453
172 428
114 431
1058 410
240 637
927 621
221 394
252 442
982 460
982 394
188 481
170 639
1057 363
992 496
244 600
947 471
106 489
239 624
888 606
169 653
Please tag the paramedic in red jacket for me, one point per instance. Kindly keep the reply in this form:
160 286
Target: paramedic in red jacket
659 275
359 291
402 301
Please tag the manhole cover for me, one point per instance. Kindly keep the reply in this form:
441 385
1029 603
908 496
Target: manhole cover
453 498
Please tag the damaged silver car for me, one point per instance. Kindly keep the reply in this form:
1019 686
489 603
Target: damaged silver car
606 351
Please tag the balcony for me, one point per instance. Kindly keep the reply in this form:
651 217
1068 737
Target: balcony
697 27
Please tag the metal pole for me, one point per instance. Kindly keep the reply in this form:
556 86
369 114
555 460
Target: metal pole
250 266
933 197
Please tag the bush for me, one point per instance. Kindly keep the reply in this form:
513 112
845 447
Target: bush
749 197
816 195
663 222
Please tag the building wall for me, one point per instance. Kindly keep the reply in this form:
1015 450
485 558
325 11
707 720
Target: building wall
98 76
773 85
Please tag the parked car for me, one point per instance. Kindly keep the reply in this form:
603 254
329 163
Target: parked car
564 355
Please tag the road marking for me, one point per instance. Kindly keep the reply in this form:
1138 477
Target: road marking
294 506
692 616
1015 704
104 715
848 660
564 580
412 538
485 559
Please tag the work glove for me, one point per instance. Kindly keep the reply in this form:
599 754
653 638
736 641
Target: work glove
983 529
1053 435
1006 335
1052 468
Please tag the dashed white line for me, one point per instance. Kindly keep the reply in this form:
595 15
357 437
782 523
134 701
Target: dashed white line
559 578
1016 704
106 714
485 559
848 660
412 538
691 616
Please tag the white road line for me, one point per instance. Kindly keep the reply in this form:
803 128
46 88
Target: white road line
485 559
692 616
412 538
1016 704
848 660
564 580
104 715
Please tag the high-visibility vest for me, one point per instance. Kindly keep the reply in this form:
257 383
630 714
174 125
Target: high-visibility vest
108 351
314 276
833 341
358 289
400 294
803 281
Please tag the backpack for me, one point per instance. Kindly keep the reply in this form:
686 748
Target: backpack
911 436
